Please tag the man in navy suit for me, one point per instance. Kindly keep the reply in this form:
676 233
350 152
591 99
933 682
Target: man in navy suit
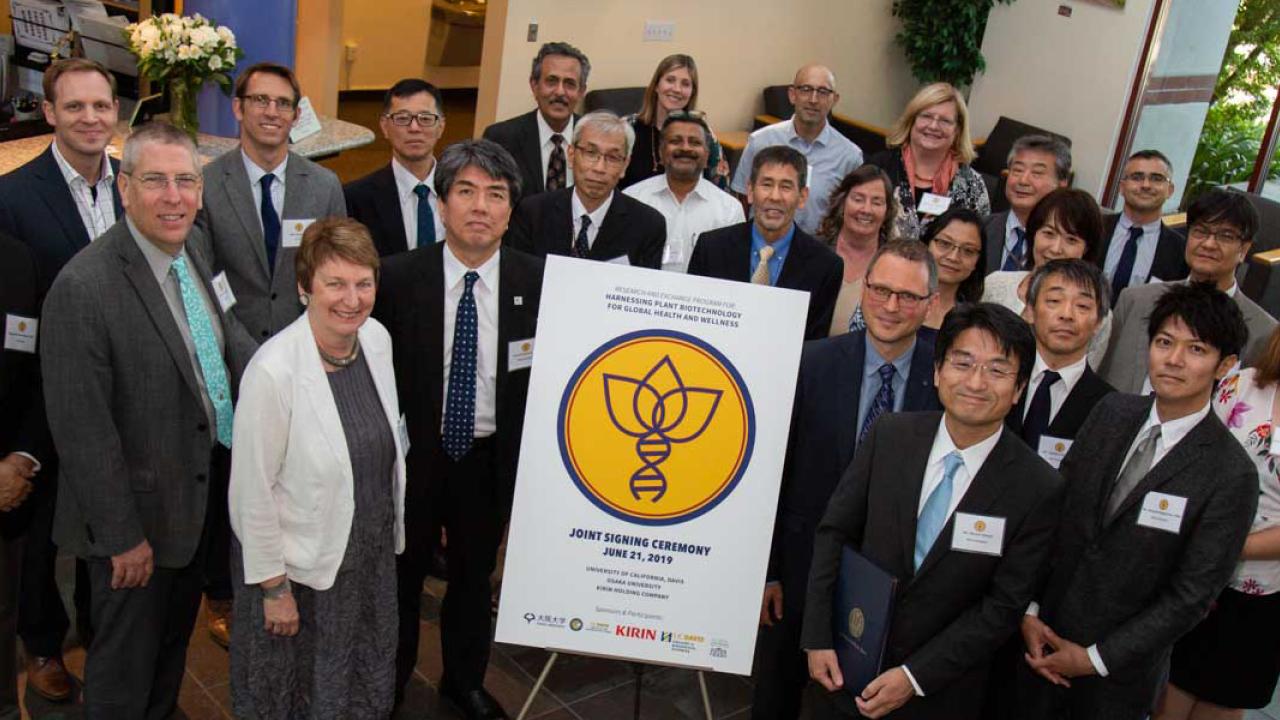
57 204
846 383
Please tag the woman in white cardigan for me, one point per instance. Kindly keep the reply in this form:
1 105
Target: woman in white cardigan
317 498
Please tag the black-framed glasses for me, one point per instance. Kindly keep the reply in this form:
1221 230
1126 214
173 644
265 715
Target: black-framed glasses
403 118
694 115
592 156
158 182
262 102
1141 177
907 300
809 90
1224 236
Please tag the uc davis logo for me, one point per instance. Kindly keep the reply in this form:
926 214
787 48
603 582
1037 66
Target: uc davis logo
656 427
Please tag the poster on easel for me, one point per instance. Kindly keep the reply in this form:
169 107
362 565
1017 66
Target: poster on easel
654 438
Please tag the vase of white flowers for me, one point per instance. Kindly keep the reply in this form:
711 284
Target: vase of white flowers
183 53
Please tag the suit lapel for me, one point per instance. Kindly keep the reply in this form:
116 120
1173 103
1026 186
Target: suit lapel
608 244
1179 457
919 387
913 469
56 195
560 221
297 190
386 200
848 395
1106 478
792 274
533 154
431 326
235 183
738 255
1077 406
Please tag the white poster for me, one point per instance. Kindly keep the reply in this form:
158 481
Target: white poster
653 445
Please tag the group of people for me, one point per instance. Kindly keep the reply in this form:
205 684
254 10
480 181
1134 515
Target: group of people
246 381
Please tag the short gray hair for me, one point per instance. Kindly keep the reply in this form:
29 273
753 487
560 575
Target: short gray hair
155 133
606 122
1057 147
486 155
912 251
560 48
1082 274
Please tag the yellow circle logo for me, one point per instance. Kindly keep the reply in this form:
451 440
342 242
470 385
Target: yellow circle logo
1059 447
656 427
980 526
1164 504
22 326
857 623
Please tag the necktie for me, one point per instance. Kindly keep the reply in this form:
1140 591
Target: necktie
426 218
934 514
1134 470
1124 269
556 164
211 365
1037 420
857 321
1015 259
883 401
761 274
270 223
460 405
580 247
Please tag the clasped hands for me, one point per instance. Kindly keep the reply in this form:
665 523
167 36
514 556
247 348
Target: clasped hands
16 473
1050 656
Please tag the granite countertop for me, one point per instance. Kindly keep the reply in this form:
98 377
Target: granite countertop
335 136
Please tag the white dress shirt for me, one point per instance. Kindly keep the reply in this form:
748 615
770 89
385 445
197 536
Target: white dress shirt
255 185
1058 391
597 217
97 213
1146 251
706 207
486 295
405 183
546 145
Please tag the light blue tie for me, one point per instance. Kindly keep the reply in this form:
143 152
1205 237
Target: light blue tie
934 514
211 365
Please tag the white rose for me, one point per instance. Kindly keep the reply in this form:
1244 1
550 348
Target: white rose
215 63
149 33
184 52
227 36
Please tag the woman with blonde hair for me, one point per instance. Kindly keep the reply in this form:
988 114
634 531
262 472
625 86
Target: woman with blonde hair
674 86
928 159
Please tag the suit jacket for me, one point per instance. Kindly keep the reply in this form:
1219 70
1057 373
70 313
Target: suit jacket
410 304
1071 416
1125 364
375 201
1131 589
124 405
231 236
993 235
542 225
519 136
810 266
1170 262
952 615
824 434
22 424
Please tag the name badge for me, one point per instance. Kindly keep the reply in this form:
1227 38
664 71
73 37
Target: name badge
620 260
222 288
933 204
1052 449
20 333
293 229
672 252
1161 511
978 534
404 434
307 124
519 354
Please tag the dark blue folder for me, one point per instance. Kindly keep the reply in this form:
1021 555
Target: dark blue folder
863 610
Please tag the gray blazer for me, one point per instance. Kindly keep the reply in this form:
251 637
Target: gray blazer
124 405
993 236
232 236
1125 364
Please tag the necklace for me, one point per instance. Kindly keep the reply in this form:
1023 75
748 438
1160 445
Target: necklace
653 149
341 362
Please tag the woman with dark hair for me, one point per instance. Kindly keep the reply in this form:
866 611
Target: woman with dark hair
674 86
859 219
954 238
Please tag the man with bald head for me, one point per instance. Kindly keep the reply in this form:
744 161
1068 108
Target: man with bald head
830 155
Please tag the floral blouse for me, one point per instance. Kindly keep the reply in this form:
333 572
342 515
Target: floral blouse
1246 410
967 190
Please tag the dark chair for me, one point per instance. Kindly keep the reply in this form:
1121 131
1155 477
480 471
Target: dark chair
1259 278
623 101
993 155
776 102
869 138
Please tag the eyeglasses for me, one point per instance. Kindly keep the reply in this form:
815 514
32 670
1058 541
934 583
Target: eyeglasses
262 102
1141 177
404 118
1223 236
809 90
931 119
158 182
964 251
991 371
592 156
907 300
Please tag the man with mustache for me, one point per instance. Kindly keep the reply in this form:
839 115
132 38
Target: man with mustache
1220 228
690 203
592 219
539 139
1139 248
771 249
830 155
1037 165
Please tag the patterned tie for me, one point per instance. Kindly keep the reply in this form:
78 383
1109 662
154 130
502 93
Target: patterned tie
1015 259
1124 269
761 274
270 223
1038 411
426 218
857 321
934 514
460 405
211 365
1134 470
883 401
580 247
556 164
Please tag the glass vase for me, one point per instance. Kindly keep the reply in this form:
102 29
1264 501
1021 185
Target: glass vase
182 105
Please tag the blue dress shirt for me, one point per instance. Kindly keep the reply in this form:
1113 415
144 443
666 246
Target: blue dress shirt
871 362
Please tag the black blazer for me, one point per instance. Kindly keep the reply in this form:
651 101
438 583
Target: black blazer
1131 589
810 266
951 616
410 304
542 225
22 423
1075 409
1170 262
824 433
519 135
993 235
375 201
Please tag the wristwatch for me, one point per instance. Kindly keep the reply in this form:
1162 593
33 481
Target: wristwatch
278 591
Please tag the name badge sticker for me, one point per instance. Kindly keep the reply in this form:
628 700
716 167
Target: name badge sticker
978 534
1161 511
933 204
222 288
519 354
1052 449
20 333
672 252
293 229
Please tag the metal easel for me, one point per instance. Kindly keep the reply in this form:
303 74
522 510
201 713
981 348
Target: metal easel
638 667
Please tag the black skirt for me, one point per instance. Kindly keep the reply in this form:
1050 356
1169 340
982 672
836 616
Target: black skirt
1232 658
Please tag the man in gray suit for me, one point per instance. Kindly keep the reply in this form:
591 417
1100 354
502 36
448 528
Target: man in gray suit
1038 165
1221 224
140 361
1159 501
259 198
